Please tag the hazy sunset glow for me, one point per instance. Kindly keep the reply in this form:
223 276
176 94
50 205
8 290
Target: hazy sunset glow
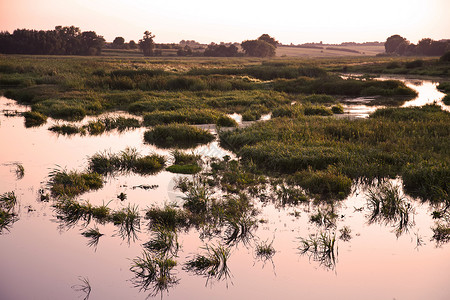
329 21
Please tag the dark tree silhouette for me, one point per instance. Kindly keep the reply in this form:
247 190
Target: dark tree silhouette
215 50
147 44
267 38
119 42
396 44
61 41
258 48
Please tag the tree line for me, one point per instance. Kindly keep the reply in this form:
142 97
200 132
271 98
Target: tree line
399 45
60 41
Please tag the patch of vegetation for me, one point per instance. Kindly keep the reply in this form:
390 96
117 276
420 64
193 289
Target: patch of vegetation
320 247
34 118
185 163
212 264
388 206
128 160
177 135
8 216
66 129
72 183
187 116
409 142
153 273
225 121
334 85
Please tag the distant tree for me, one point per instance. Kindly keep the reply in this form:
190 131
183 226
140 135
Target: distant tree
395 44
445 57
186 51
147 44
215 50
67 40
267 38
132 45
118 42
258 48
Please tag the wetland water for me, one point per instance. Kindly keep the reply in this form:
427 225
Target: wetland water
44 258
426 90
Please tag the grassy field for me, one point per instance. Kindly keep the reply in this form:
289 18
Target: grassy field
355 50
303 141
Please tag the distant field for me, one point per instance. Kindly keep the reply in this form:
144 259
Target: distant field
311 52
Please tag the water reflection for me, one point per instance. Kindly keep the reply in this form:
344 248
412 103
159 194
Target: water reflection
320 247
154 273
212 264
389 207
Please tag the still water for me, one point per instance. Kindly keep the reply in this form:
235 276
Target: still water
43 258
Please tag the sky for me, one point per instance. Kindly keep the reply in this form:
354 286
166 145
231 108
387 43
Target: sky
206 21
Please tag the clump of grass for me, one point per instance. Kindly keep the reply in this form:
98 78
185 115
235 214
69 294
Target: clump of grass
128 220
149 164
345 234
177 135
84 286
251 115
185 163
128 160
226 121
93 234
337 109
20 171
316 110
153 272
95 127
71 211
187 116
265 250
324 218
320 247
388 206
66 129
320 98
441 233
212 264
73 183
7 201
168 217
34 118
327 184
289 195
7 214
164 242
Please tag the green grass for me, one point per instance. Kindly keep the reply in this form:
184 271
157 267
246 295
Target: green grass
409 142
212 264
128 160
65 183
33 119
177 135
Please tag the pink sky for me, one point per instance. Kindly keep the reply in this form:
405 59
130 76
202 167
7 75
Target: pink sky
329 21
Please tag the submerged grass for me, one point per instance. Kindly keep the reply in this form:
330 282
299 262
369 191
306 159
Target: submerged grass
212 264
